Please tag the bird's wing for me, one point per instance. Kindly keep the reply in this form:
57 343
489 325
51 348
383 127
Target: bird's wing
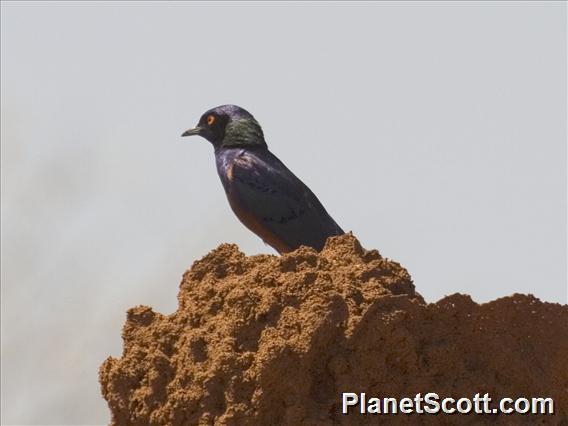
277 203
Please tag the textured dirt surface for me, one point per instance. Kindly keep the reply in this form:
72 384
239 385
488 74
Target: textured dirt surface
275 340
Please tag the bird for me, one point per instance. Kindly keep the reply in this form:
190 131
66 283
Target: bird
262 192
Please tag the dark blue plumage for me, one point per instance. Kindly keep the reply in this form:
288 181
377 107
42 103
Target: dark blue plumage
264 194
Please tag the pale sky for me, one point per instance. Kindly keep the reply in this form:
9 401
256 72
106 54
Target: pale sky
436 132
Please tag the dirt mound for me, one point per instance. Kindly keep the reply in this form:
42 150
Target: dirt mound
266 339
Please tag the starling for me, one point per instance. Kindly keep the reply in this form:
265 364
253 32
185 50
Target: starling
264 194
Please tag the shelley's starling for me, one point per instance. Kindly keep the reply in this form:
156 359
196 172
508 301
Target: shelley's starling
266 196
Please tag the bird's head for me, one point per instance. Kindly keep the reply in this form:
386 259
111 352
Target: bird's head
229 125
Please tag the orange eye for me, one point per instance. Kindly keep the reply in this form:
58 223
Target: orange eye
210 120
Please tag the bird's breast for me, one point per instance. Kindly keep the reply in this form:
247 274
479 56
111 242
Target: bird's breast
227 166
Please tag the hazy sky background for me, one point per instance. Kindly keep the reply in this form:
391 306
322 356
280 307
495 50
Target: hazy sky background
435 132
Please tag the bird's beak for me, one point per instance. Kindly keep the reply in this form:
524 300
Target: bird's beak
195 131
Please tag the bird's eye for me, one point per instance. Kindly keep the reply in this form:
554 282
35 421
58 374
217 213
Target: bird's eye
210 120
